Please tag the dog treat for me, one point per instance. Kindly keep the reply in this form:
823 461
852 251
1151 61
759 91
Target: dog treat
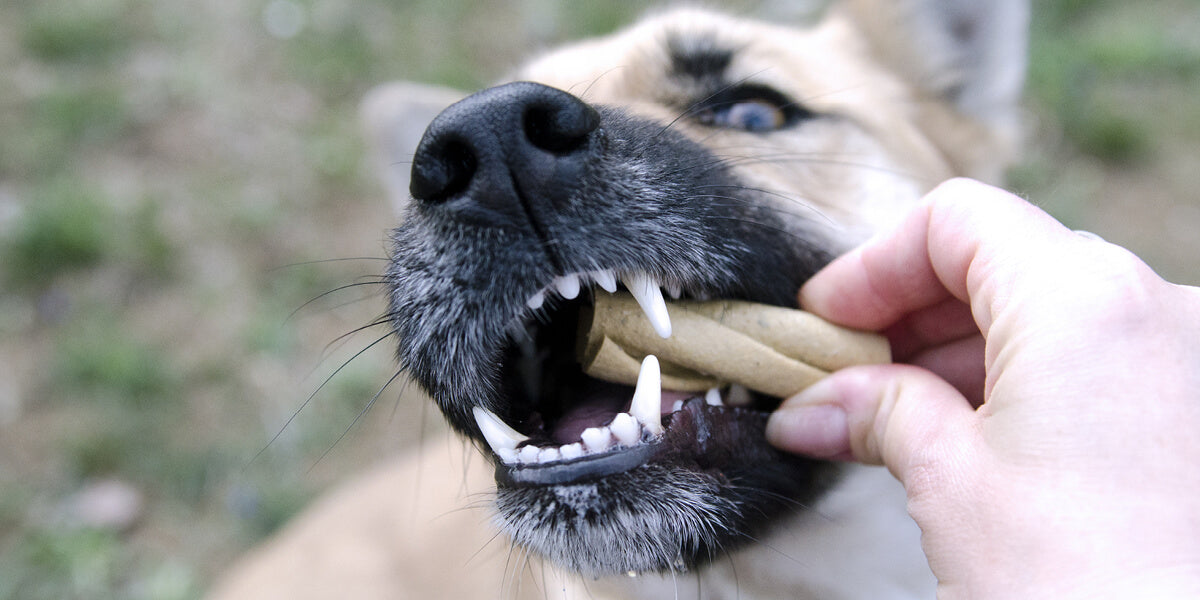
773 350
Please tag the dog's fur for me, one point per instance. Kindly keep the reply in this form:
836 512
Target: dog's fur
866 110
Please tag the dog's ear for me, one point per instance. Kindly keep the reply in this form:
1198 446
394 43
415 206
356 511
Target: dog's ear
969 55
969 52
395 116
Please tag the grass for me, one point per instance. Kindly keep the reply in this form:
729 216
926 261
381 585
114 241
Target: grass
164 164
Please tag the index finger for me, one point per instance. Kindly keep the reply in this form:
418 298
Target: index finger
964 239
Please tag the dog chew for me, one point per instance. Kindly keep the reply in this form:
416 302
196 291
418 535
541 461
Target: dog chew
769 349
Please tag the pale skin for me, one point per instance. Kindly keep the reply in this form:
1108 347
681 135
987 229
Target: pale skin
1044 411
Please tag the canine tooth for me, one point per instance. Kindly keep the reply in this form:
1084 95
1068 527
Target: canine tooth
499 436
567 286
571 451
528 454
738 395
646 405
650 298
606 280
535 301
626 429
546 455
713 397
596 439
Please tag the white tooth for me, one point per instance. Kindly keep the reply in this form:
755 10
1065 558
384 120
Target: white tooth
646 405
508 456
546 455
535 301
713 397
606 280
650 298
596 439
738 395
528 454
626 429
571 451
498 435
674 291
678 406
567 286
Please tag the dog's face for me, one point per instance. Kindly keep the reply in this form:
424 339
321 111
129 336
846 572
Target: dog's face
694 155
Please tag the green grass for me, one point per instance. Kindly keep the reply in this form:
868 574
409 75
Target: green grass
65 227
77 31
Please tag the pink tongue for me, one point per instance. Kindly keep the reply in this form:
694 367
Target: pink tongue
669 398
600 412
570 427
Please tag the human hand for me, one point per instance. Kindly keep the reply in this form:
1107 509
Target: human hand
1046 426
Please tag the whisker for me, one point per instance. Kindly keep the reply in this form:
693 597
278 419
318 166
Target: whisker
335 290
323 261
357 417
310 397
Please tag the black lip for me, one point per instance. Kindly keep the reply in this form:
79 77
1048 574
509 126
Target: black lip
706 437
580 469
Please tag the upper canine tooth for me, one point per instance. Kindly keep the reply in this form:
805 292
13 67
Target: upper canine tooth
499 436
606 280
646 405
567 286
650 298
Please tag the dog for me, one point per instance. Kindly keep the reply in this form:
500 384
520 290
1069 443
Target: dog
694 154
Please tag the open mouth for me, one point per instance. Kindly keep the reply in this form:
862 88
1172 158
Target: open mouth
560 425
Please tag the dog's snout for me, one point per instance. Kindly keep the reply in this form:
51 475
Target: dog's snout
517 142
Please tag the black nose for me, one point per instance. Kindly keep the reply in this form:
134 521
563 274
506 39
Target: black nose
520 141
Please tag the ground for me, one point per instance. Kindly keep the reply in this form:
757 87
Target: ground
178 180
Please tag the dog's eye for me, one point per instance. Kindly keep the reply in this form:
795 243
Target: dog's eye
755 109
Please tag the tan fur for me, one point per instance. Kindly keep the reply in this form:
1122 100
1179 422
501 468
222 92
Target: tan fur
419 526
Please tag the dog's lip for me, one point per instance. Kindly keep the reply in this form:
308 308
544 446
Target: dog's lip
697 433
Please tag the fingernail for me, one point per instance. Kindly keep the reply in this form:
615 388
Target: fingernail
817 430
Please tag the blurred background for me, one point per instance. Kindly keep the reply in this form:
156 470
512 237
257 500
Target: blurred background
179 180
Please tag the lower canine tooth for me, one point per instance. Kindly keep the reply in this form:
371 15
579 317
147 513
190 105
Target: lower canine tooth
646 406
498 435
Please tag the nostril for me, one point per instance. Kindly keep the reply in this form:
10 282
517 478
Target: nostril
442 172
560 129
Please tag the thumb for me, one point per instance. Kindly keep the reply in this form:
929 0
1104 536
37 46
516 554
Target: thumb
900 416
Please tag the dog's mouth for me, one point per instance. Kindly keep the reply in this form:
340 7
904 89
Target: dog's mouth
558 425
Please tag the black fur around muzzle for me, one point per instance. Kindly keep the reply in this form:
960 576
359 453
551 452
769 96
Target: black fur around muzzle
521 184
